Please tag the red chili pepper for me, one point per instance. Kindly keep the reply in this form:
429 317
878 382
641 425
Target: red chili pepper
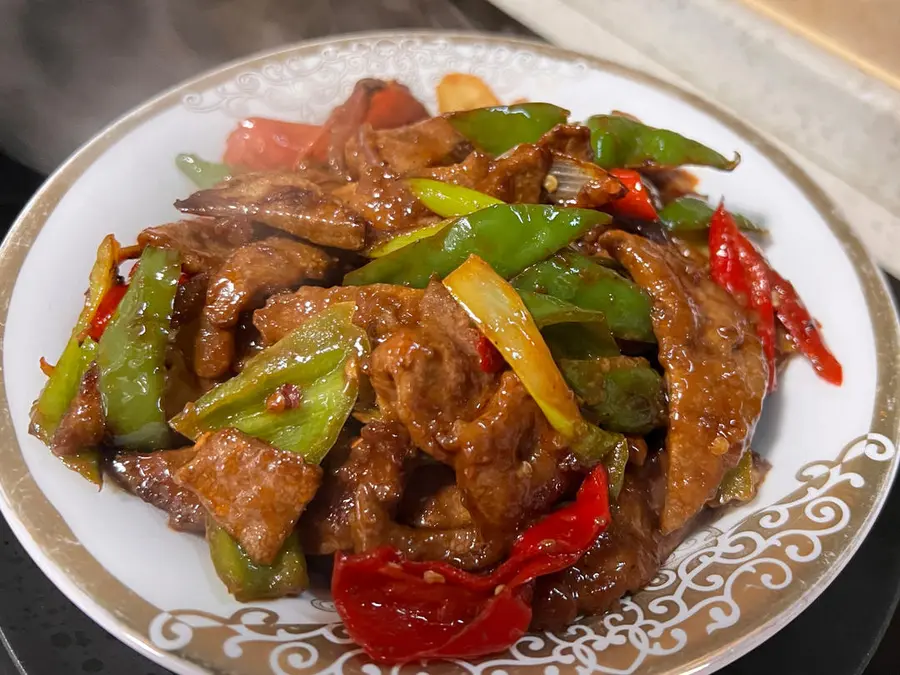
739 268
106 309
399 610
491 360
262 144
724 261
636 202
803 330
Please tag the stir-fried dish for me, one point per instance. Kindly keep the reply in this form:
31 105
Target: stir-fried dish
482 370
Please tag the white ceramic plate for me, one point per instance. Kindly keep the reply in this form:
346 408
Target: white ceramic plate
723 591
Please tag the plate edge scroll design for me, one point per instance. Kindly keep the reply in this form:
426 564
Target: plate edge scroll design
308 87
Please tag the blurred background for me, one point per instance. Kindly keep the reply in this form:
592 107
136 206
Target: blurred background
820 78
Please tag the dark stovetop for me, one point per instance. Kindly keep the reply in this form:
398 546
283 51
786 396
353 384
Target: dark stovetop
45 634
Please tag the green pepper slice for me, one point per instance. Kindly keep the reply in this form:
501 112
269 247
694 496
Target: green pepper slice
548 311
132 354
737 485
576 279
570 331
203 174
249 582
580 341
621 394
63 383
615 463
499 128
404 239
692 214
448 200
510 237
320 358
621 142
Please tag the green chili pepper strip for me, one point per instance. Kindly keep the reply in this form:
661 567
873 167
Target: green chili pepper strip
737 485
405 239
547 310
620 142
615 463
569 330
320 358
132 354
203 174
510 237
87 464
580 341
249 582
500 314
448 200
692 214
61 388
63 383
496 130
621 394
577 279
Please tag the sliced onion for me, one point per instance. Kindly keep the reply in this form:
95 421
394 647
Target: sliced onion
570 177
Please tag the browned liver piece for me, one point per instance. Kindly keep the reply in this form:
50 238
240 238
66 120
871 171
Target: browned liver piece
380 309
431 142
83 425
254 491
286 201
429 377
715 371
242 283
149 476
511 466
204 243
357 509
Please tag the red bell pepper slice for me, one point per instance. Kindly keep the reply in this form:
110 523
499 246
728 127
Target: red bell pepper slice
739 268
394 106
503 619
261 144
105 310
399 610
636 202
